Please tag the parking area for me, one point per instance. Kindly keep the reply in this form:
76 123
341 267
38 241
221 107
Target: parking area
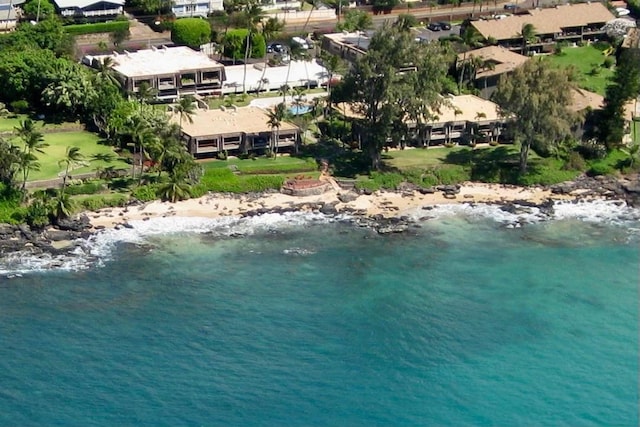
426 34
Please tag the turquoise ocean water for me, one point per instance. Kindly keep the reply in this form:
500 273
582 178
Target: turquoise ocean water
295 321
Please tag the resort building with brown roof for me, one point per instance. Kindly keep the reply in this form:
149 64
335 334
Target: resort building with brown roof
461 119
570 23
494 61
234 130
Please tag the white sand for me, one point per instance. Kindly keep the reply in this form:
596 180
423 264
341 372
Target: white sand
379 203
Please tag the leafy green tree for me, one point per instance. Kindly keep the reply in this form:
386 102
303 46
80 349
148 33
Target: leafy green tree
119 36
275 117
191 32
234 44
9 163
528 34
540 116
70 91
383 85
355 20
36 10
384 5
625 86
334 65
73 157
406 21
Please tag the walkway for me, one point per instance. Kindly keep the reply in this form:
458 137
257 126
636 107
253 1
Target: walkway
275 100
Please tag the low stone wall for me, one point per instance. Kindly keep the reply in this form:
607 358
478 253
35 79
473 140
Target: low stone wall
305 187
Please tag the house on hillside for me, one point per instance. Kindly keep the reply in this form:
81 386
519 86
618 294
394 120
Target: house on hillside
94 10
495 61
172 71
9 14
571 23
191 8
234 130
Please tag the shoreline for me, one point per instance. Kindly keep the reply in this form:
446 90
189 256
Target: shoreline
379 205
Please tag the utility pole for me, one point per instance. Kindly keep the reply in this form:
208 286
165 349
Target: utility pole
38 14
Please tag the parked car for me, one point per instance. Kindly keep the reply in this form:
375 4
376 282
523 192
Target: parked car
510 6
434 26
275 48
444 25
300 41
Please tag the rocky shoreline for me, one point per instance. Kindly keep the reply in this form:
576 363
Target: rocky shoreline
68 235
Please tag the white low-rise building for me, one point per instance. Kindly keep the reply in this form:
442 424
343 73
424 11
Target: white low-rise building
92 9
172 71
192 8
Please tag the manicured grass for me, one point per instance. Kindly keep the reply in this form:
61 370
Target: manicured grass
636 131
419 158
58 143
9 123
587 60
285 164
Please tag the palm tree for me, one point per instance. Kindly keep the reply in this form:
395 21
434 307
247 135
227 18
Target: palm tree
141 135
145 93
33 143
62 206
471 38
186 109
284 91
72 157
269 29
105 73
333 64
175 189
255 14
296 52
275 119
27 162
528 34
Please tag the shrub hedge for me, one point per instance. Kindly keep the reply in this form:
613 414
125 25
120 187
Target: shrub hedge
191 32
98 27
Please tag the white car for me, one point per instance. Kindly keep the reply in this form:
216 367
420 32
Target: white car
621 11
300 41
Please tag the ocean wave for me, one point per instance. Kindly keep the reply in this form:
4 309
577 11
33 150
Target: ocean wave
101 247
513 215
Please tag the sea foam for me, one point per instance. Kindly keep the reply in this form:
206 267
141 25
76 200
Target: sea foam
102 246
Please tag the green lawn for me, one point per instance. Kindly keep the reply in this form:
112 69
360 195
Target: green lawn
285 164
9 123
421 158
636 131
58 142
587 60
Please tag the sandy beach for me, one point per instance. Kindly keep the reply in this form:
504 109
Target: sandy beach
384 203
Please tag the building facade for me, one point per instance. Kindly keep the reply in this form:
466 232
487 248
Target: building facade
173 72
571 23
191 8
234 131
90 9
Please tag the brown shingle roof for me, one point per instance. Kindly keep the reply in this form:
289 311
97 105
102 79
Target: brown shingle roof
582 99
545 21
230 121
504 60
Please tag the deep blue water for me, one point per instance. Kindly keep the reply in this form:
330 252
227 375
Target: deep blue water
460 322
